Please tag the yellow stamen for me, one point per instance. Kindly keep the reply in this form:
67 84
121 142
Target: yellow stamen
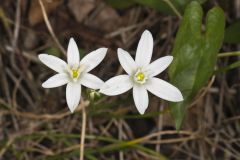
140 76
75 73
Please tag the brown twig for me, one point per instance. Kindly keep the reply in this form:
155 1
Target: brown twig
170 4
42 116
4 149
50 28
17 25
203 93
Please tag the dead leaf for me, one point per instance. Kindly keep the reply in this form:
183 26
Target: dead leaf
35 14
107 20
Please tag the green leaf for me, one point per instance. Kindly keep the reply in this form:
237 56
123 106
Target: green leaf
232 33
162 6
195 54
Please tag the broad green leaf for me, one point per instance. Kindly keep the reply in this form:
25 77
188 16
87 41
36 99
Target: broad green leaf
232 33
195 54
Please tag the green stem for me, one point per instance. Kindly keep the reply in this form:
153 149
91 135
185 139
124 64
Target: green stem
229 67
228 54
173 8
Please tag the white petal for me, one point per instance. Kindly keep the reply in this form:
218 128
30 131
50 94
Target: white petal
56 81
91 60
159 65
126 61
144 49
164 90
140 97
73 95
116 85
73 57
53 62
91 81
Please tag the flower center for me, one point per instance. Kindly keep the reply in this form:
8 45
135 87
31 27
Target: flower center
75 71
140 77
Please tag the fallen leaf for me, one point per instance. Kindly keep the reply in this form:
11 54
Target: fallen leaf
35 14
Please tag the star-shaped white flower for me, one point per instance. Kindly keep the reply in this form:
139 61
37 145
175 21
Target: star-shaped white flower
74 73
141 76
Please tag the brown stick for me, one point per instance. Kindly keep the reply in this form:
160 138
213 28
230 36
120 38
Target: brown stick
50 28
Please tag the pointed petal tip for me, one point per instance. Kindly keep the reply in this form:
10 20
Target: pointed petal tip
104 50
147 32
119 49
167 60
71 110
142 112
178 98
43 85
73 42
71 39
170 57
42 56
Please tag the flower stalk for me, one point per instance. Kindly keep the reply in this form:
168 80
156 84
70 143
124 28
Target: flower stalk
83 132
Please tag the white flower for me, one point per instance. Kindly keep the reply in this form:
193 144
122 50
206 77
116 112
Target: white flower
141 76
74 73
